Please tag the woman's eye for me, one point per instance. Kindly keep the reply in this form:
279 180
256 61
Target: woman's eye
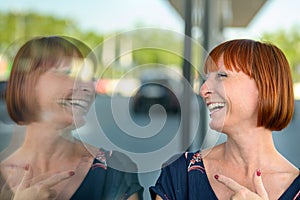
65 71
221 75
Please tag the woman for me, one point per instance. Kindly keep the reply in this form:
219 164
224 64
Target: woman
49 91
249 94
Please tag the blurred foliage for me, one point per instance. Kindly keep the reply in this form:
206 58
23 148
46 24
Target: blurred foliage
149 46
159 46
149 55
289 42
16 27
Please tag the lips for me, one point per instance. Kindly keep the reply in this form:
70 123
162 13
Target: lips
75 103
213 107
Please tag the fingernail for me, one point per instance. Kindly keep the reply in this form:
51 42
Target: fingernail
216 176
71 173
258 172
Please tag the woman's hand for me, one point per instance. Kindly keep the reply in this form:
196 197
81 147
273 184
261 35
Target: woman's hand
241 192
39 190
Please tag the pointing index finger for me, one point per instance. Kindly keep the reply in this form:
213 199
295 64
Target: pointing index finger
52 181
259 185
228 182
26 180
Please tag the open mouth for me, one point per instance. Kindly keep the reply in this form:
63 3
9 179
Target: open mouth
74 103
213 107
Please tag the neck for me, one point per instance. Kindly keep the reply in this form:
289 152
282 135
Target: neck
44 144
250 149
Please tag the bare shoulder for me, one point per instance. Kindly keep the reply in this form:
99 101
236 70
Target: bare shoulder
284 171
11 172
278 179
10 163
85 149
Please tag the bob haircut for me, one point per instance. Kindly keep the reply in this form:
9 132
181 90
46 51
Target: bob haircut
34 58
268 66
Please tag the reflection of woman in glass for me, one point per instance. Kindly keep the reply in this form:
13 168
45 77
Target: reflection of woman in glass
49 91
249 94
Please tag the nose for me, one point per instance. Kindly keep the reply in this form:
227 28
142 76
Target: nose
85 86
205 91
89 88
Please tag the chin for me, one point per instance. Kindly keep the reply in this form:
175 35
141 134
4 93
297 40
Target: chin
79 123
217 126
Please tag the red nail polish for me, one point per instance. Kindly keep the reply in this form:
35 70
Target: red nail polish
258 172
71 173
216 176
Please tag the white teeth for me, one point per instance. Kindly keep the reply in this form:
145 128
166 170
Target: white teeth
63 102
214 106
73 102
79 103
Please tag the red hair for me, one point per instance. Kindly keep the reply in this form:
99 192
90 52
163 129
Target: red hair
268 66
35 57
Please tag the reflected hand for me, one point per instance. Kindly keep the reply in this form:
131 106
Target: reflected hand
241 192
39 190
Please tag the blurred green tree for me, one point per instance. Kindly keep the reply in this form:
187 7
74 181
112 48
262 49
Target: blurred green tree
151 46
17 25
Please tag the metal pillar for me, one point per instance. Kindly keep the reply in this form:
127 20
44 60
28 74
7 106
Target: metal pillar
206 27
186 69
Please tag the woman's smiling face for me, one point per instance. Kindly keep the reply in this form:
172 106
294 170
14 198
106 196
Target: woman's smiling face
231 97
64 98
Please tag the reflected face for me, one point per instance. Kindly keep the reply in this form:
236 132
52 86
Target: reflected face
65 97
232 99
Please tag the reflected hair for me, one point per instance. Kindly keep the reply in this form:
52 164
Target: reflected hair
268 66
34 58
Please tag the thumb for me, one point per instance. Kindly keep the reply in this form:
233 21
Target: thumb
259 186
27 177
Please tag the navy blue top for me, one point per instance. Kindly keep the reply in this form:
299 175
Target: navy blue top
186 178
101 182
105 183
